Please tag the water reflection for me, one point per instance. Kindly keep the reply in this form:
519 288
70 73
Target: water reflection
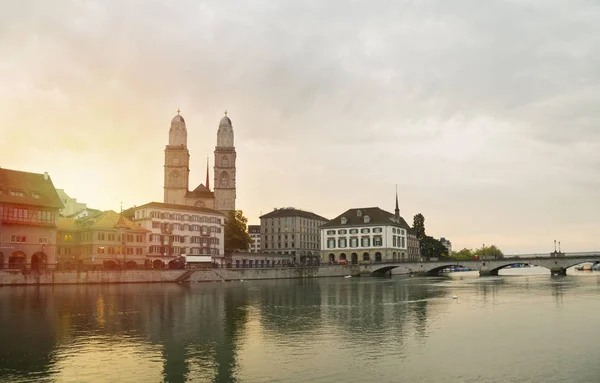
222 332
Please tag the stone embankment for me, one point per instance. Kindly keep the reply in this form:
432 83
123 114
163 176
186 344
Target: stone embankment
52 277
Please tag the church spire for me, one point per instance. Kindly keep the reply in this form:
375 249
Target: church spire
207 178
397 211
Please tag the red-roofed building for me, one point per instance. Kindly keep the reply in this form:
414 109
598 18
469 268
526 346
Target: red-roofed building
29 209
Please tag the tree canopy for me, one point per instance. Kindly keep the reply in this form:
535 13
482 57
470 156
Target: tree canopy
483 252
236 233
419 226
431 247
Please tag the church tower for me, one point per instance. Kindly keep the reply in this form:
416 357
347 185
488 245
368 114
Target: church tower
224 167
177 163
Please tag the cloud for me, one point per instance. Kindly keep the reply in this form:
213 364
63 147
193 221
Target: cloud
481 111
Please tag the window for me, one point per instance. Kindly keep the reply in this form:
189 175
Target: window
344 220
111 237
367 219
394 240
330 232
377 241
365 231
353 231
377 230
35 195
68 237
353 242
359 213
342 232
100 249
101 236
365 241
18 239
111 250
17 193
342 242
43 240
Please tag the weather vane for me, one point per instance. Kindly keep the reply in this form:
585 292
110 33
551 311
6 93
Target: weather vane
226 112
178 110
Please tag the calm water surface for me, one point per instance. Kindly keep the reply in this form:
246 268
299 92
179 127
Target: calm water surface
500 329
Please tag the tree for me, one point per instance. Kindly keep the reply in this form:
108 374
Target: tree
419 226
431 247
236 233
463 254
489 252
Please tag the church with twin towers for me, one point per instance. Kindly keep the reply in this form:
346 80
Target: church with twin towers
177 169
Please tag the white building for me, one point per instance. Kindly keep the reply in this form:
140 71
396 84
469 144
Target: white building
365 234
254 232
71 206
196 233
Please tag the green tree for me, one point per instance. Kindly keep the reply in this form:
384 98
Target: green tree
489 252
463 254
236 233
431 247
419 226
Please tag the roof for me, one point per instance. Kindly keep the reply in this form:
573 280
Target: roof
254 229
107 220
376 215
33 189
200 192
172 206
178 118
225 121
88 209
292 212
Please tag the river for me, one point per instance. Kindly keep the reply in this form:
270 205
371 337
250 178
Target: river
528 328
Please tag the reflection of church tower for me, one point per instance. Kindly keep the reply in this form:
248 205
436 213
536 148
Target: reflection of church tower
177 162
224 168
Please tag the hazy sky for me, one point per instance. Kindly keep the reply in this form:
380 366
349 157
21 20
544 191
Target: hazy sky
485 113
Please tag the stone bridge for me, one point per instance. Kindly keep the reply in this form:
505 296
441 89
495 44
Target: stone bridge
556 265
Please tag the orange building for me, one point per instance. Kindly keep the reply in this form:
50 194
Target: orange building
29 207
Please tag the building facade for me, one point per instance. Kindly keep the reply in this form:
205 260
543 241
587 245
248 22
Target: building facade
414 246
105 240
195 233
29 211
365 235
71 206
259 260
177 170
294 232
447 244
254 232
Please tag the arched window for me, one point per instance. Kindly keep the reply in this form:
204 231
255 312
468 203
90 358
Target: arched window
224 161
224 180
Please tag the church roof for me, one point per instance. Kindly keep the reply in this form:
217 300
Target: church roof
201 191
377 216
24 188
177 119
225 121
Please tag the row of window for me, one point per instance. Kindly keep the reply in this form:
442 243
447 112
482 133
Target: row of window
185 227
23 239
177 217
303 245
293 237
162 250
27 215
364 230
364 242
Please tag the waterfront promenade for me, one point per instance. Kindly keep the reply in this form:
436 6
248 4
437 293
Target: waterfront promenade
557 265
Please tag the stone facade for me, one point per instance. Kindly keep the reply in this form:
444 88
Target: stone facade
177 169
224 167
292 231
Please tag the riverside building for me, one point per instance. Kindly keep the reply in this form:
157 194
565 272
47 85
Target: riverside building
368 234
29 210
195 233
293 232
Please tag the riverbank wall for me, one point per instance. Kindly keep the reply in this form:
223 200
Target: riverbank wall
64 277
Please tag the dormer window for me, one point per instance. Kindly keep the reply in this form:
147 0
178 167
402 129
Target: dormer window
344 220
17 193
35 195
367 219
359 213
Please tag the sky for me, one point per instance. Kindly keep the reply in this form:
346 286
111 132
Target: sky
485 114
